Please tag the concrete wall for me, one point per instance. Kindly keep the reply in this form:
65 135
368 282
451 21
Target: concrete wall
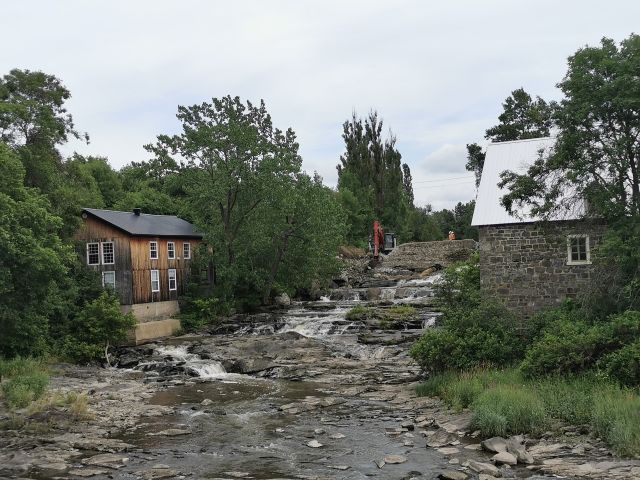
148 312
419 256
525 265
144 332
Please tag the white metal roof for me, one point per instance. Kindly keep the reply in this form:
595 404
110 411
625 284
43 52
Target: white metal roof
516 156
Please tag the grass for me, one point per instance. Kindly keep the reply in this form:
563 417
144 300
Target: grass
504 403
23 381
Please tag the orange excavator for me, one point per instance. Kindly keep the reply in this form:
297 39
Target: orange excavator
382 242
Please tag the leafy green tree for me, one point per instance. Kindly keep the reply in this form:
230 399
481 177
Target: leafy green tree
522 118
241 183
475 160
32 260
372 172
596 155
34 120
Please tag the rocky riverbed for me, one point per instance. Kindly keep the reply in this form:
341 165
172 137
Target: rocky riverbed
302 393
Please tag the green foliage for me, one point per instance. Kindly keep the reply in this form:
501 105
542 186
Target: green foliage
99 324
474 330
23 380
508 409
616 419
503 403
33 259
624 365
522 118
242 184
595 154
372 181
572 346
21 390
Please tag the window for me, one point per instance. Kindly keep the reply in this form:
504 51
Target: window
107 253
153 250
171 250
155 281
578 252
93 253
109 280
186 250
172 279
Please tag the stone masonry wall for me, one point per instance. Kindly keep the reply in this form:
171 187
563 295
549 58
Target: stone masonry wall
526 264
418 256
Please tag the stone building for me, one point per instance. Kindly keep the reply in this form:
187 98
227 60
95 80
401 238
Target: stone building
529 264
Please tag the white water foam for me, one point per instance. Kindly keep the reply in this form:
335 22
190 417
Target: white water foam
205 369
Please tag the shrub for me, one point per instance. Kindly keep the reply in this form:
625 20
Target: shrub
20 366
442 349
22 389
570 346
508 409
99 324
624 365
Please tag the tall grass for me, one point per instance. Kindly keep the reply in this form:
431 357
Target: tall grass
23 380
504 403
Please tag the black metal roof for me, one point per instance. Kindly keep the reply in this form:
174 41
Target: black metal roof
145 224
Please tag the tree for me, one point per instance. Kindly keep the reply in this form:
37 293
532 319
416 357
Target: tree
522 117
371 171
244 188
597 151
475 160
32 260
34 120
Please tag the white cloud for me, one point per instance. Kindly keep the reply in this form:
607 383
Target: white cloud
436 72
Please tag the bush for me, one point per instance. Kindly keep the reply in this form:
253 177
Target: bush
509 409
624 365
569 346
21 390
479 337
20 366
99 324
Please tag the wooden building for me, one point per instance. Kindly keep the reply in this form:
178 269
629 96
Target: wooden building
144 258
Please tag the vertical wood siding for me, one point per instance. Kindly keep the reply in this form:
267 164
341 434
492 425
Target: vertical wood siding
133 263
93 230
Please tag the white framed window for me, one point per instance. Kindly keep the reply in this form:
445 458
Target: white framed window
578 250
155 281
186 250
153 250
109 280
173 283
108 257
93 253
171 250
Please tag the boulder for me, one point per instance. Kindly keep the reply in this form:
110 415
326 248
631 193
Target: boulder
481 467
505 458
452 475
494 445
441 438
282 300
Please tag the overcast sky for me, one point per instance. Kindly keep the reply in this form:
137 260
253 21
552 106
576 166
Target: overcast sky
437 72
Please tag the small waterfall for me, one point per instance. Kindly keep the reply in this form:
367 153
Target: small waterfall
325 298
205 369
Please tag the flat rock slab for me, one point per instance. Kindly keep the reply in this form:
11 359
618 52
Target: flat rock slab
109 460
394 459
170 432
87 472
452 475
505 458
314 444
494 444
